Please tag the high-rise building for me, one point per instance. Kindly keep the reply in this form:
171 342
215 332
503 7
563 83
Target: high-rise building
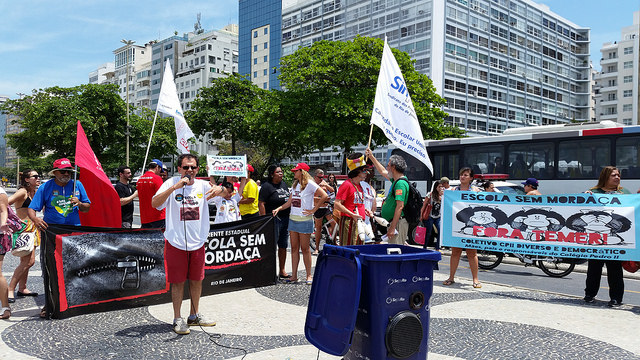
128 60
167 49
260 39
499 64
616 85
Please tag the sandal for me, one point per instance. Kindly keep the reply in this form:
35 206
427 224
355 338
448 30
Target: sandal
6 313
43 313
477 285
290 281
448 282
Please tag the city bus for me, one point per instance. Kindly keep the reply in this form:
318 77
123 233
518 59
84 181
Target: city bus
564 158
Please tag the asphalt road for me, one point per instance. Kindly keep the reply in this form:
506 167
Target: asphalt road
531 277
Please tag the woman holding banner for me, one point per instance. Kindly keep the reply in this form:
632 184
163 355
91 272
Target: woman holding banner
301 200
608 183
466 176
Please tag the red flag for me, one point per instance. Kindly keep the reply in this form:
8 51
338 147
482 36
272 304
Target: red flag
105 202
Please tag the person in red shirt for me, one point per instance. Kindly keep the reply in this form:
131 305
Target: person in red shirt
147 186
350 201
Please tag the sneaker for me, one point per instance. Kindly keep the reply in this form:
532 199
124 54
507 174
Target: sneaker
614 303
180 327
200 320
589 299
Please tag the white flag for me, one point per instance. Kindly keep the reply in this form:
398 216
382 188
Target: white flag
393 110
169 104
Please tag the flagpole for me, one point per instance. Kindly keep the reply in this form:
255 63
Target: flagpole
75 177
369 143
146 155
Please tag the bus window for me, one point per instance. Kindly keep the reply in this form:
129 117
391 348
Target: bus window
531 160
484 159
628 157
445 164
416 169
583 159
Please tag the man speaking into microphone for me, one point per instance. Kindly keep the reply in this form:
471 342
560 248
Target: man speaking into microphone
187 227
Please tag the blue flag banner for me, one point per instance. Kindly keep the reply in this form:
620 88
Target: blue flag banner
581 226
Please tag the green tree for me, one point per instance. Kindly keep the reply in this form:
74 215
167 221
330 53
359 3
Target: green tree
223 109
331 85
49 121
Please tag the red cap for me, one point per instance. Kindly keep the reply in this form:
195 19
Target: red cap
301 166
250 168
62 164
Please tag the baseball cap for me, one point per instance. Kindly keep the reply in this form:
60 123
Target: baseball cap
250 168
301 166
62 164
531 181
159 163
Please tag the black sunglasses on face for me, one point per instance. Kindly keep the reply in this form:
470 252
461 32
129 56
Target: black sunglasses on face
35 176
189 167
64 171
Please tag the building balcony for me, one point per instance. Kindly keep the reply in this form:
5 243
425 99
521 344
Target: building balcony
607 61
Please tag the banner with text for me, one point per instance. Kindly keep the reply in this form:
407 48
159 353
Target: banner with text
96 269
568 226
227 165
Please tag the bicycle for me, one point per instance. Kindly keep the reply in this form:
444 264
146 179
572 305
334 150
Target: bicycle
552 266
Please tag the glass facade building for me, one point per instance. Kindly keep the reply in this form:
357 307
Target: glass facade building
260 41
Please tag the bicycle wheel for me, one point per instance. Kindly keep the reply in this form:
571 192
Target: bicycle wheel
488 260
556 267
325 236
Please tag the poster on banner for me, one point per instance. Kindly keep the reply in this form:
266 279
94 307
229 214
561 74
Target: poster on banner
227 165
97 269
584 226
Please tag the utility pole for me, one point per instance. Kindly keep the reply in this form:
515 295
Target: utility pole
128 58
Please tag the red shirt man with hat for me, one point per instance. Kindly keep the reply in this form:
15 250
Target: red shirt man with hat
147 186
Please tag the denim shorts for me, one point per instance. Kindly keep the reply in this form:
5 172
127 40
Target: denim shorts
302 227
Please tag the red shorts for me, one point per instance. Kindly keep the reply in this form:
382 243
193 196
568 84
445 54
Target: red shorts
181 265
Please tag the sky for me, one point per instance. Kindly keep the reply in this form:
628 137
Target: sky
58 43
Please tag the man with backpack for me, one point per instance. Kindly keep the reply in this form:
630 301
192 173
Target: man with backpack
396 200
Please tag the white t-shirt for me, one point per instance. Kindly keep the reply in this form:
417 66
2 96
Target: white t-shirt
369 198
228 210
187 212
302 200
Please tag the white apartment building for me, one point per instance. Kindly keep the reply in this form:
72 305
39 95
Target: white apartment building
498 63
616 89
99 75
129 59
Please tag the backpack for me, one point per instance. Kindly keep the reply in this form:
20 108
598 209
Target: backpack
414 202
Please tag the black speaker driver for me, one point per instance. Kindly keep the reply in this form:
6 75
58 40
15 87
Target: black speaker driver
404 335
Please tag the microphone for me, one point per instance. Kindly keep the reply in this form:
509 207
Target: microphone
187 176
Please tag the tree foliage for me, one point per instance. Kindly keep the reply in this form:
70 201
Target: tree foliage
49 121
331 85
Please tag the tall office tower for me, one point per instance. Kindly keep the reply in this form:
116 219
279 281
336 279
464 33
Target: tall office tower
499 63
259 41
617 83
167 49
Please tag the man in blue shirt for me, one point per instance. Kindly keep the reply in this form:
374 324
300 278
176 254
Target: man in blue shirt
56 196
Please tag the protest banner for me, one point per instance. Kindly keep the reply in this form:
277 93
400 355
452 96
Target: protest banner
90 269
227 165
584 226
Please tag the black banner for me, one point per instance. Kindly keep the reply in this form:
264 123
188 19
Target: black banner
99 269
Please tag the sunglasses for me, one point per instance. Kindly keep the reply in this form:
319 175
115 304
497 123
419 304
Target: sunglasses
35 176
64 171
190 167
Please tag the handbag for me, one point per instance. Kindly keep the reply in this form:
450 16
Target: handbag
23 240
426 213
420 235
631 266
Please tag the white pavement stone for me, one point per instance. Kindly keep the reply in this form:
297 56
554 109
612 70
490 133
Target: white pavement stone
5 351
614 326
244 312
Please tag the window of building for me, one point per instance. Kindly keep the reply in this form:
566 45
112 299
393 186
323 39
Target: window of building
255 34
264 85
266 45
266 31
627 121
255 74
628 64
255 48
628 50
627 107
255 61
628 79
627 93
265 58
264 72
